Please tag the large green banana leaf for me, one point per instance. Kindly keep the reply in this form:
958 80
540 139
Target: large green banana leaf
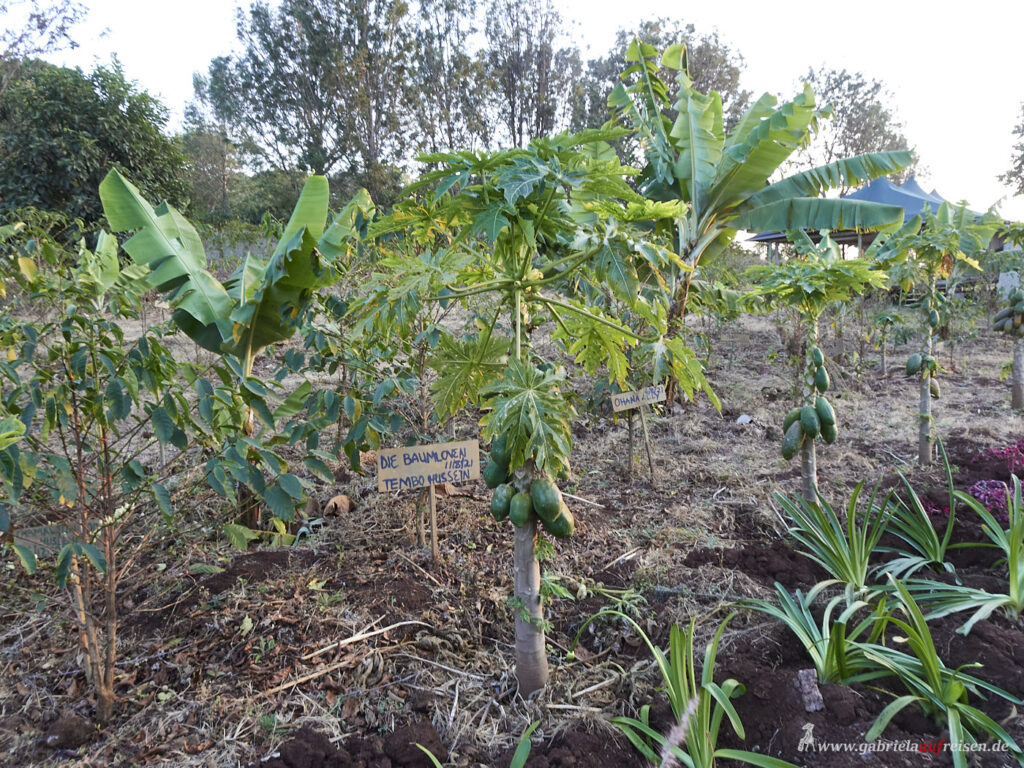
849 172
746 166
270 295
166 243
820 213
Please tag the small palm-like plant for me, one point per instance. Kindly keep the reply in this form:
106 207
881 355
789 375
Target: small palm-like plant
699 704
264 302
923 252
724 179
832 647
923 546
843 549
944 599
941 693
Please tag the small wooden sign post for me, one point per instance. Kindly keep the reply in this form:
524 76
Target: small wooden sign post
425 466
628 401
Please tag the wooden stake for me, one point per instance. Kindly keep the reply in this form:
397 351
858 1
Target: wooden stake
629 419
434 555
647 442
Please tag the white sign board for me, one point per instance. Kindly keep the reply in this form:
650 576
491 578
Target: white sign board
418 466
624 401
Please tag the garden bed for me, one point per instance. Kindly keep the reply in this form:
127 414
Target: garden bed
240 665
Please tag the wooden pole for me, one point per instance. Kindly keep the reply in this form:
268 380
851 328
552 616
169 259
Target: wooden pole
647 441
434 555
629 420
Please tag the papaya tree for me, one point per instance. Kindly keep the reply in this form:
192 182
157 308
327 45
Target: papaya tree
925 251
1010 319
725 179
526 222
818 277
262 303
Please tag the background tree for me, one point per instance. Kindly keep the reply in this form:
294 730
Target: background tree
32 28
1014 177
213 168
530 74
447 81
860 123
316 89
62 130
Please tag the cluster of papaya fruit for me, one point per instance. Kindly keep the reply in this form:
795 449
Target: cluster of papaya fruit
540 499
1010 319
926 365
809 422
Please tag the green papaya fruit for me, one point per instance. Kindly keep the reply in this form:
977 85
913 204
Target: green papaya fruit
792 416
520 509
562 524
499 450
809 421
546 498
1016 295
817 357
829 433
494 474
825 413
914 364
933 387
822 380
500 501
792 441
1002 315
933 318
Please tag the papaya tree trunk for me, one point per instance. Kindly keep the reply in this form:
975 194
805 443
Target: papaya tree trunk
808 456
1017 390
531 658
924 430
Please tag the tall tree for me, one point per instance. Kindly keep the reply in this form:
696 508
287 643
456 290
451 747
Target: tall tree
713 66
1014 177
447 82
32 28
861 121
62 130
316 87
531 74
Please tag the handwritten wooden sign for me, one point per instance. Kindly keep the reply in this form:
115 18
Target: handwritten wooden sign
419 466
624 401
47 540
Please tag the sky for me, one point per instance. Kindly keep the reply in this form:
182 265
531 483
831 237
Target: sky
954 68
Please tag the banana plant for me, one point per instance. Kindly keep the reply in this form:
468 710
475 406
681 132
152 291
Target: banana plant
526 224
264 302
924 251
724 179
809 283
